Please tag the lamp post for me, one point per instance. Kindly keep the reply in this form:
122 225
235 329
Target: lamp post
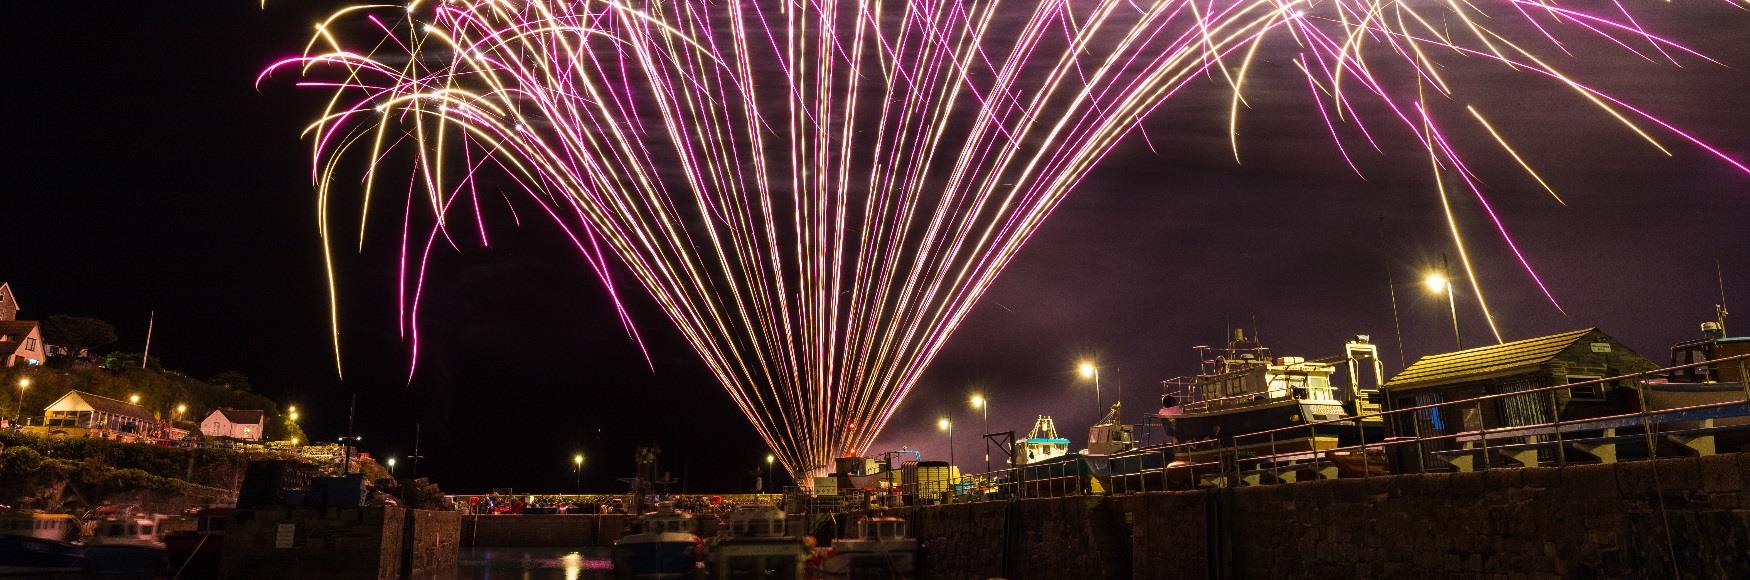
1438 283
180 409
947 424
577 467
391 467
23 383
983 406
134 398
1091 371
766 485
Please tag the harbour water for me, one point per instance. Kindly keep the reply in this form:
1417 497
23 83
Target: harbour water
533 563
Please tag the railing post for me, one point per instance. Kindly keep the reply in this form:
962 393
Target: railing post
1483 432
1561 445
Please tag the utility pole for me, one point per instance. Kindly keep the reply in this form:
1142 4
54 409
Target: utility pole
416 456
151 319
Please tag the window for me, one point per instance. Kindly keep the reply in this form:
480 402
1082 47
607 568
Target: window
29 344
1588 392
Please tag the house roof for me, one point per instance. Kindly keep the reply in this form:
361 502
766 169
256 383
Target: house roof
1493 359
12 333
104 404
241 416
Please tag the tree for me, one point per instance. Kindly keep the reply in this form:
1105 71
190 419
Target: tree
78 332
232 379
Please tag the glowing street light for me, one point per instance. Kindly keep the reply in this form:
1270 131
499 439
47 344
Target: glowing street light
23 383
391 466
983 405
180 409
1090 371
947 424
769 475
577 466
134 398
1438 283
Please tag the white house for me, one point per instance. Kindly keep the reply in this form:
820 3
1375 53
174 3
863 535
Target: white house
82 414
241 424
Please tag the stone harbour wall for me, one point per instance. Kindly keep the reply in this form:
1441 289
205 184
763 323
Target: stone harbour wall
384 542
1672 518
544 530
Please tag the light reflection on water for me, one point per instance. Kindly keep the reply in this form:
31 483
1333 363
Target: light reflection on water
533 564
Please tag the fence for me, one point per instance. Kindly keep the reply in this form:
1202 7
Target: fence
1394 441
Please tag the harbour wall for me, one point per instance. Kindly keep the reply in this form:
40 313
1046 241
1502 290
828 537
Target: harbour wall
382 542
1685 517
544 530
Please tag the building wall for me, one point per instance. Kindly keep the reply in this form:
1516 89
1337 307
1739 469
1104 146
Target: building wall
216 425
31 350
1686 517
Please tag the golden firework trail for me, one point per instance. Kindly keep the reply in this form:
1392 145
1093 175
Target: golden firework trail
817 193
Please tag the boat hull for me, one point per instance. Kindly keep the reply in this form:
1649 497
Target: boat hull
657 554
1224 425
125 559
27 555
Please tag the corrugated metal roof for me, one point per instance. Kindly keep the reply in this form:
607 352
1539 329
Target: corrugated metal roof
1487 359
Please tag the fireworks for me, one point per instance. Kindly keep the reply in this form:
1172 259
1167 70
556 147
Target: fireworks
816 193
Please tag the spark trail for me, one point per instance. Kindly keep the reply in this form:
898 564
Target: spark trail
816 193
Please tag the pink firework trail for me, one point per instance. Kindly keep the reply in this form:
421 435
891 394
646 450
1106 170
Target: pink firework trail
816 193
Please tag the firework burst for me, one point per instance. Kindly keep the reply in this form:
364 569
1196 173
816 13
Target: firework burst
816 193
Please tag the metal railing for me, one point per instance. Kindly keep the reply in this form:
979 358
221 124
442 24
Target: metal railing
1365 444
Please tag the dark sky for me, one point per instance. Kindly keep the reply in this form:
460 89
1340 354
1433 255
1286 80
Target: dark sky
146 173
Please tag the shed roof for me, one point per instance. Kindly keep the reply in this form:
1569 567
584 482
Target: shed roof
104 404
1493 359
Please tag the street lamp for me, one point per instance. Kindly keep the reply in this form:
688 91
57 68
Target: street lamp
577 466
391 467
1091 371
23 383
180 409
134 398
983 406
769 475
1438 283
946 424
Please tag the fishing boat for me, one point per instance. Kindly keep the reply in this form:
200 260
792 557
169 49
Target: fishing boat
126 543
195 553
1720 388
33 542
665 545
756 544
1244 389
879 550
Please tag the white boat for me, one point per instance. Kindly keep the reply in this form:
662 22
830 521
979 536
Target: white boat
33 542
880 550
757 545
126 543
666 545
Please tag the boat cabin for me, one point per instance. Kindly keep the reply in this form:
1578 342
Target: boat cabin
1713 345
39 525
1042 443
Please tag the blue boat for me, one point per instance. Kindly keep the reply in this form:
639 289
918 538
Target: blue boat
35 542
664 546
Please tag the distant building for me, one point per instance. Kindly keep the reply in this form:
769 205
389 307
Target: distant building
246 425
8 303
82 414
21 341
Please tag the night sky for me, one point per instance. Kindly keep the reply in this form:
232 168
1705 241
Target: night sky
147 173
